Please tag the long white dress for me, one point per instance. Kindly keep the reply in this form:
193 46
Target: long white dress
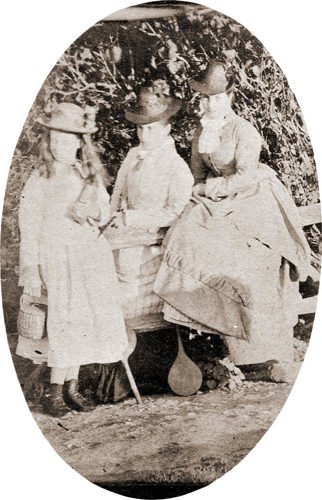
85 322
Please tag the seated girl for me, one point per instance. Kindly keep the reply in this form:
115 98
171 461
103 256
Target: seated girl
153 186
233 260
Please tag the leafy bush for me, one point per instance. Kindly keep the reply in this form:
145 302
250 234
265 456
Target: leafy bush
111 61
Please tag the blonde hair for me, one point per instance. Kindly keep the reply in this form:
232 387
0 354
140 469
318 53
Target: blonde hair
88 165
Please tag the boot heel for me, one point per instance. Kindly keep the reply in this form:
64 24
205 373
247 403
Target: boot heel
74 399
53 402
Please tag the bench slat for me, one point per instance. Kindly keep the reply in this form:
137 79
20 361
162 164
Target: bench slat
308 305
310 214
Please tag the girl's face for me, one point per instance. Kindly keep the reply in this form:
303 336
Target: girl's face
64 146
215 105
151 133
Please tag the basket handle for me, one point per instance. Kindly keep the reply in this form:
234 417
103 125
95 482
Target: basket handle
26 298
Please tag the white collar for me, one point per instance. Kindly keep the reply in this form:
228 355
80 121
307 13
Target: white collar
157 151
210 136
166 143
215 123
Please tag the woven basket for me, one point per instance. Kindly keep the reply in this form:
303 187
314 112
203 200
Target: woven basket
31 320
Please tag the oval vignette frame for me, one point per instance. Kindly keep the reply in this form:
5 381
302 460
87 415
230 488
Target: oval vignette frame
227 477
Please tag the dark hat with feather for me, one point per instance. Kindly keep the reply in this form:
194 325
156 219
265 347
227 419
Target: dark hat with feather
154 104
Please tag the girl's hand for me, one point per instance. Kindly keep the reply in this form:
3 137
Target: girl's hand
32 281
118 221
82 211
34 291
199 189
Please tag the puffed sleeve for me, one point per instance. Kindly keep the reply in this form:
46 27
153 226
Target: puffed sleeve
103 202
248 147
179 193
30 217
197 166
119 191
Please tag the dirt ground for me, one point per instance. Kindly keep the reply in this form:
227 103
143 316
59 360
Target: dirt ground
167 446
168 438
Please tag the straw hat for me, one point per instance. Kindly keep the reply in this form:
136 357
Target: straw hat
153 105
68 117
214 80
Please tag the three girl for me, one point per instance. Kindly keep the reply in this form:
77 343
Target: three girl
232 261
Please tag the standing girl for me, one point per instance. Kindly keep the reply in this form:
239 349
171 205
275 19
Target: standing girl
63 204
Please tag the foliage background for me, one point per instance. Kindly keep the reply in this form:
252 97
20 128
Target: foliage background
108 64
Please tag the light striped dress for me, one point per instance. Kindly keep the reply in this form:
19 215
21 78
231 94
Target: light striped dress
152 188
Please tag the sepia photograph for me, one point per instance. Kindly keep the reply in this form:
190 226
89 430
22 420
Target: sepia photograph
160 254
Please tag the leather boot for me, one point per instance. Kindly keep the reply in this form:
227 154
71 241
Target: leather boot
53 402
74 399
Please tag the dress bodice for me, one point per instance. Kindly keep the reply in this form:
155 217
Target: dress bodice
45 212
152 186
239 146
60 193
223 160
147 182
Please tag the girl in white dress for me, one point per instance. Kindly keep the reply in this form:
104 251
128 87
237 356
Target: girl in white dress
63 204
152 187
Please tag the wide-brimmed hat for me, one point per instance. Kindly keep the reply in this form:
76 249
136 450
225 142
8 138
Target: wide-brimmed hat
214 80
154 104
69 117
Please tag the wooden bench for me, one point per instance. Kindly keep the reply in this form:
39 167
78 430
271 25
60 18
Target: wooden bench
310 215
